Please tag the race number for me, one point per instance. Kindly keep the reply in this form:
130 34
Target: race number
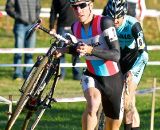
140 42
112 34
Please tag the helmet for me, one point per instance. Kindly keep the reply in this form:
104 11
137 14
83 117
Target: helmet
74 1
116 8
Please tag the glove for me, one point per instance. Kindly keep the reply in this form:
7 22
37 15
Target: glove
73 40
71 37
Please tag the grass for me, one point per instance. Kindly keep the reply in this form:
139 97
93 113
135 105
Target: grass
67 116
62 116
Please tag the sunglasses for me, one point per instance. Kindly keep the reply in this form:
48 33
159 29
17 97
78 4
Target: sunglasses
82 5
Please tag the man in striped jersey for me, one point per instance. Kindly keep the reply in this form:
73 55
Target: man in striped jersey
102 80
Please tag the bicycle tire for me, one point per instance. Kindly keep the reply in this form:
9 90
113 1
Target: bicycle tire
25 96
27 119
100 118
39 115
38 119
46 101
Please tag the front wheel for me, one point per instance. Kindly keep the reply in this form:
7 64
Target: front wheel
28 88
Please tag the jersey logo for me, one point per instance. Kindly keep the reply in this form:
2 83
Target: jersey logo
125 36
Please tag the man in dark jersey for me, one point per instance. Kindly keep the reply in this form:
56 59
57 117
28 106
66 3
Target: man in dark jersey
102 80
134 56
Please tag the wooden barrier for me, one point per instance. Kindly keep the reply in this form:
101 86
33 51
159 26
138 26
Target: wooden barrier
153 104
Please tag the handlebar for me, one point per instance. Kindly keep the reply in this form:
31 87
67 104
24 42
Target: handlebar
37 25
55 35
33 28
59 37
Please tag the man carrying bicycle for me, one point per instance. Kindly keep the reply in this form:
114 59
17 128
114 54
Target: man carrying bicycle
134 56
102 80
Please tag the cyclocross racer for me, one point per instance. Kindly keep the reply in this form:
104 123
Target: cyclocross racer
134 56
102 78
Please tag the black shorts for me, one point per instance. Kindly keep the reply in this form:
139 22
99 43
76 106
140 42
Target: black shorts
111 88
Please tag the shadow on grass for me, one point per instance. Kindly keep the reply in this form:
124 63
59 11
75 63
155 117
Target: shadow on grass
62 116
67 116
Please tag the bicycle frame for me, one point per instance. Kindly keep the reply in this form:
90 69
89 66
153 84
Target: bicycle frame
33 87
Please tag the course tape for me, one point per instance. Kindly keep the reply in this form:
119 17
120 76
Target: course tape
82 99
44 50
4 100
145 91
66 64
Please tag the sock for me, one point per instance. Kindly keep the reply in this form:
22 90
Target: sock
127 126
135 128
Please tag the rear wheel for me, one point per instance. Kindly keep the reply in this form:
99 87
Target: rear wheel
44 98
36 101
101 119
27 119
27 89
39 113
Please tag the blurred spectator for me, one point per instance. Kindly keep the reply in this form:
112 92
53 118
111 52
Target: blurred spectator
137 8
25 13
61 19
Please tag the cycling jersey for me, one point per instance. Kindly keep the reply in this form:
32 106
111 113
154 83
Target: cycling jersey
103 70
102 36
132 43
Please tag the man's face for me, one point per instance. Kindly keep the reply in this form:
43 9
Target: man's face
118 22
82 10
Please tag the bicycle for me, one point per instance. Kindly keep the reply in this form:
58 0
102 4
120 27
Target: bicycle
34 95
